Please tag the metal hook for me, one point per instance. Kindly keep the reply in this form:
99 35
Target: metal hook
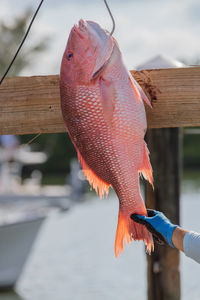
108 8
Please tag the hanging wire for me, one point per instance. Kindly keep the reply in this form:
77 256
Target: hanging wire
110 13
33 139
20 46
25 36
29 27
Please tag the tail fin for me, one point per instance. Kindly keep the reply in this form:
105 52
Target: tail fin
146 168
127 230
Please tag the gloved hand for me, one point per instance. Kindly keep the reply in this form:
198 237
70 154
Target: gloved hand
159 225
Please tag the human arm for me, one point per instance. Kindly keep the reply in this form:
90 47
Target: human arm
191 245
188 242
175 236
178 237
158 224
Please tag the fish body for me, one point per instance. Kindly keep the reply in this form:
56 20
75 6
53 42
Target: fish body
104 114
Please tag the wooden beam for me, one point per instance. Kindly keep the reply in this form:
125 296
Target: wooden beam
163 269
32 104
175 94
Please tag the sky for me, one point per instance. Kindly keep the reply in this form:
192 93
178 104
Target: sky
144 28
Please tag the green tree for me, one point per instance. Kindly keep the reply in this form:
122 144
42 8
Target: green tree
10 38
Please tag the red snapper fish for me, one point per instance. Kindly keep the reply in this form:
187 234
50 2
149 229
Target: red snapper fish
104 114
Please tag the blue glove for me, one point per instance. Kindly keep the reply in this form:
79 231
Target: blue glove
159 225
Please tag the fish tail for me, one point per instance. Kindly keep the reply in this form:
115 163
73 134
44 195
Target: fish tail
146 168
128 230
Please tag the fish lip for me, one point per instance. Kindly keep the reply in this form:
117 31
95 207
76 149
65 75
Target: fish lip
82 25
80 29
77 31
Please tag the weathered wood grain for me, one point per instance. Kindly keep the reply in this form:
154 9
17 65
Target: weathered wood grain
175 94
32 104
163 266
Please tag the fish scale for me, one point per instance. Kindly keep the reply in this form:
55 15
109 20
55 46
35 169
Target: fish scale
106 121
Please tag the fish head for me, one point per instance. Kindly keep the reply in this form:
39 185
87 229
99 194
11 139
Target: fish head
89 48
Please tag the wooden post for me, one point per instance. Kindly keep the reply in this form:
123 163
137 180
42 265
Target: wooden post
163 265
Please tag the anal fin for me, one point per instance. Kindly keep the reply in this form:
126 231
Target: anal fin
101 187
146 168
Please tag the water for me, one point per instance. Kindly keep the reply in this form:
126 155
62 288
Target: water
74 256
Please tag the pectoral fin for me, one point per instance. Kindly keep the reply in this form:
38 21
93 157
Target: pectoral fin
105 45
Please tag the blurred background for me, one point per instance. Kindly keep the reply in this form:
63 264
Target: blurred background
67 252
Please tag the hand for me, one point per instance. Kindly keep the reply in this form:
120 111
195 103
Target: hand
159 225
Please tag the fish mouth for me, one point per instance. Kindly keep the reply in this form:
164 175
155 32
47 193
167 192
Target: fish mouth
82 25
80 29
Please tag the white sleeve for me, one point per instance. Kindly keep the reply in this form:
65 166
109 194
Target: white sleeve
191 245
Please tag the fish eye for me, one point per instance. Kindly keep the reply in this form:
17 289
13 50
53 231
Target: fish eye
69 56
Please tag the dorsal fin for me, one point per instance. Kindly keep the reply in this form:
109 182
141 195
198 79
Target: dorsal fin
101 187
138 90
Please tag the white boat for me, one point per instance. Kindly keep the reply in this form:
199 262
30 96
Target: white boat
23 208
17 235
